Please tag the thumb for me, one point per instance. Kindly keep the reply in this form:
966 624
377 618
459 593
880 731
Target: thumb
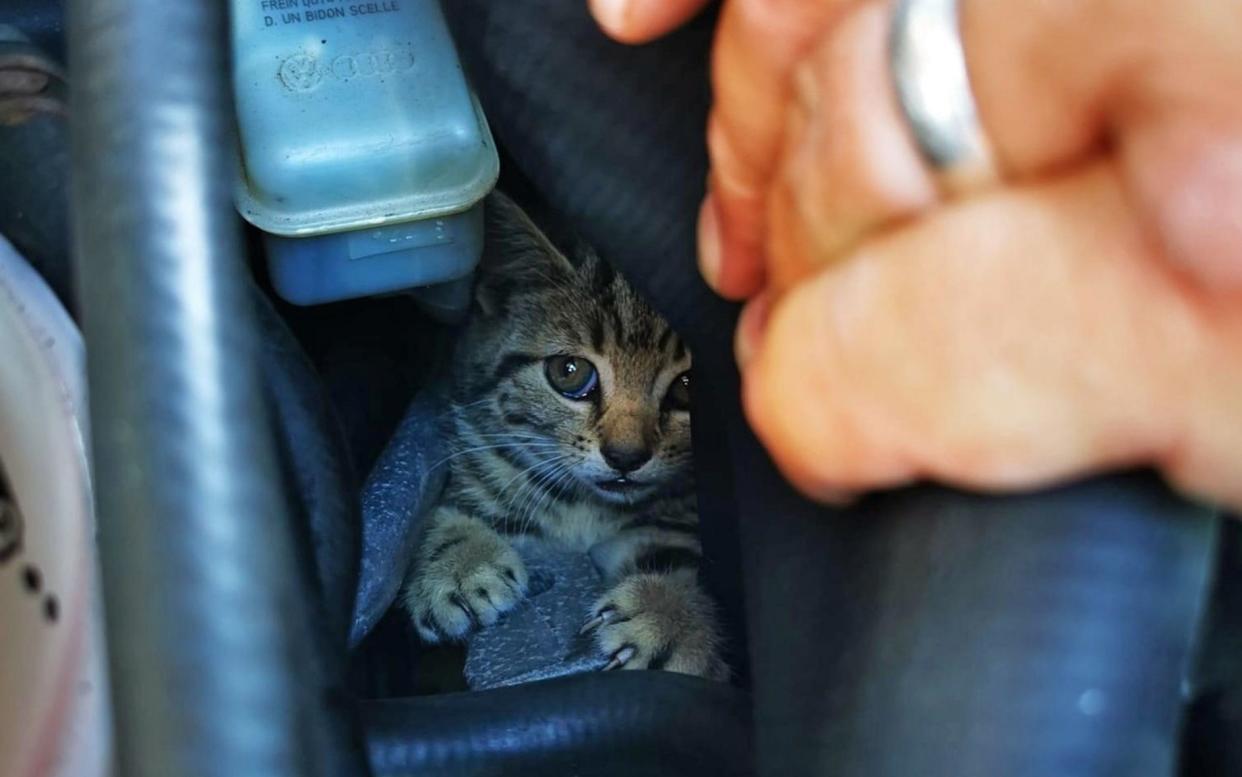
1005 342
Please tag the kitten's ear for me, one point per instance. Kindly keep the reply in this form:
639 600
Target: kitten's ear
517 257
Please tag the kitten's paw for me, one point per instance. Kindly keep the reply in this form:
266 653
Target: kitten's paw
651 621
466 581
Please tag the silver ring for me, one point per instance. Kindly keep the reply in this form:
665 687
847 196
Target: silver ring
933 89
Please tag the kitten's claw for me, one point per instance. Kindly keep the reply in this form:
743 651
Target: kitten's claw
605 615
591 625
460 603
466 581
620 658
650 621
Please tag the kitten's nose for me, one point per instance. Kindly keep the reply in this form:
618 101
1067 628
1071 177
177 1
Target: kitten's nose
625 458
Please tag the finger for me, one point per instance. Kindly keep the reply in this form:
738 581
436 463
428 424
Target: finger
849 163
729 229
639 21
1052 91
1001 343
758 43
1052 79
1157 80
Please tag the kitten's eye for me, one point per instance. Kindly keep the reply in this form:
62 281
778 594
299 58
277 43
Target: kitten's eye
678 397
572 376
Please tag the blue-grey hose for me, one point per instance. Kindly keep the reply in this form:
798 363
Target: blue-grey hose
204 606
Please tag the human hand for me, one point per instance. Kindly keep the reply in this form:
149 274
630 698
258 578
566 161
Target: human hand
1084 314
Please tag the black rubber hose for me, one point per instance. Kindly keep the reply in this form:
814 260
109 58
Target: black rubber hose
947 635
315 462
323 496
205 612
622 724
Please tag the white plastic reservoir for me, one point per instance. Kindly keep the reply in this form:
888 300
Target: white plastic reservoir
363 153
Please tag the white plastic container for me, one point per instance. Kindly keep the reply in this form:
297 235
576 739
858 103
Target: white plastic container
54 710
363 154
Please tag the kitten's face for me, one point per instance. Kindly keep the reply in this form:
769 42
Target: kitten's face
574 374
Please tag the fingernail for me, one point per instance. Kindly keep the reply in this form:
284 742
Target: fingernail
709 242
750 328
836 497
611 14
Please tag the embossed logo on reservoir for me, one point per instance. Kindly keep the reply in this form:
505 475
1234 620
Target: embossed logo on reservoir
303 72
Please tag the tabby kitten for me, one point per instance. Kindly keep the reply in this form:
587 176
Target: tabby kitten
570 425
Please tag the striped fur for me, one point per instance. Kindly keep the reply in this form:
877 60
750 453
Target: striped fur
532 465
